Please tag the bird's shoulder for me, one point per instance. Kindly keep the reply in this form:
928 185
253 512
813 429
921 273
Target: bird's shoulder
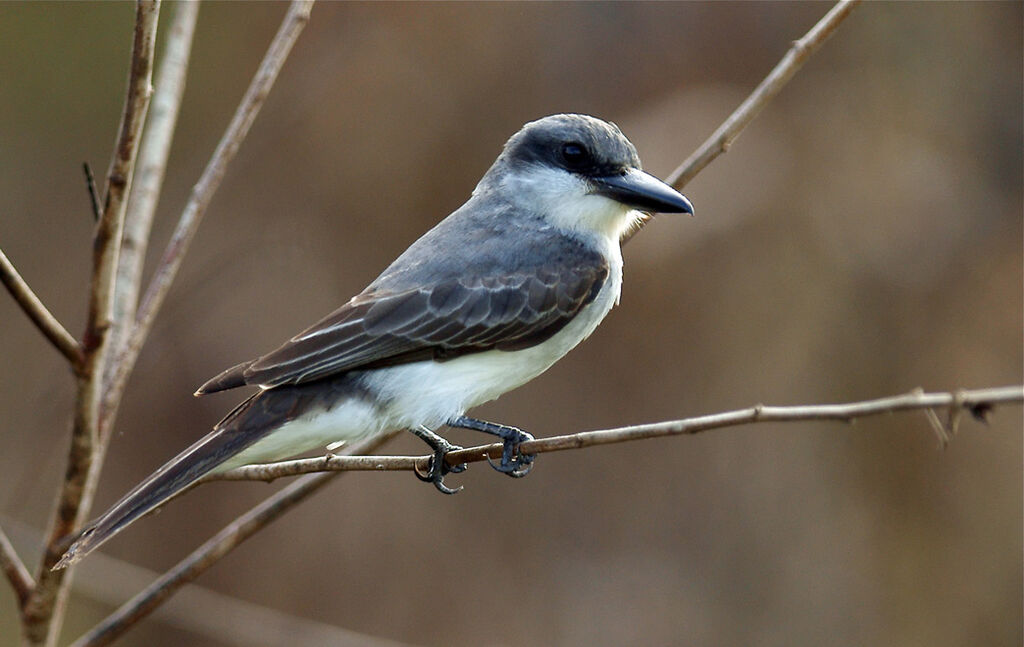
489 240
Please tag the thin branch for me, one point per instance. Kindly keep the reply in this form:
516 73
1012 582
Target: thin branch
202 558
978 402
152 164
94 196
44 611
202 192
14 569
37 312
720 140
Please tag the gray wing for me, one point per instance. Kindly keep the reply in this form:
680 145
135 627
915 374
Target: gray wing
441 321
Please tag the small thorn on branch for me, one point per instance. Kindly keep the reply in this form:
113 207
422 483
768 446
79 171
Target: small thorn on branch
90 184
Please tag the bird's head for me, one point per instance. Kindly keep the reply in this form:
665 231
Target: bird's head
580 173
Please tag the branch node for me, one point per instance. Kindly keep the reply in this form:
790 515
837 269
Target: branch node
118 180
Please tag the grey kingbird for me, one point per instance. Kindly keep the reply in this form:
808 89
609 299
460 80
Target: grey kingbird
484 302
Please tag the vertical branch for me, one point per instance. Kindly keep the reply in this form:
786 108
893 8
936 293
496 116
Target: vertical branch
152 164
43 613
202 193
14 569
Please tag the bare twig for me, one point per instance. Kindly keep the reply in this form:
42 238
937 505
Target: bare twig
202 192
156 147
726 134
723 137
44 611
94 196
916 400
206 555
14 569
37 312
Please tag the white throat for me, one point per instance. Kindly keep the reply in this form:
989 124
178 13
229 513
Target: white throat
566 201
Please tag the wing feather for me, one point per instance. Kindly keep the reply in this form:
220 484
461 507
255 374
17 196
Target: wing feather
442 321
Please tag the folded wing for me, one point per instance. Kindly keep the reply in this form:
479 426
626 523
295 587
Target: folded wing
439 322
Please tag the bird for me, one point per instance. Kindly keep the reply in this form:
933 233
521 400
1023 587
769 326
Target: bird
482 303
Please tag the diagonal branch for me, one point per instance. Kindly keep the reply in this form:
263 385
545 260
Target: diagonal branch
723 137
152 164
978 402
14 569
720 140
210 552
44 611
202 192
37 312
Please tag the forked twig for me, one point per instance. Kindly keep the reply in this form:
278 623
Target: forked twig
43 612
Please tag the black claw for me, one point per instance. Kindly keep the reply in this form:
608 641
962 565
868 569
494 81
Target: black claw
513 462
438 467
517 469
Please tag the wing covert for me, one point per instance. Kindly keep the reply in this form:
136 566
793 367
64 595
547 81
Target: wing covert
441 321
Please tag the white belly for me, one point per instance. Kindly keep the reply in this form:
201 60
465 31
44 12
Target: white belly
429 393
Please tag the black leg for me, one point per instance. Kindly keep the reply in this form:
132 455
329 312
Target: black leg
513 463
438 468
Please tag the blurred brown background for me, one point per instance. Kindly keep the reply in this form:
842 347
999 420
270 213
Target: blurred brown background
862 238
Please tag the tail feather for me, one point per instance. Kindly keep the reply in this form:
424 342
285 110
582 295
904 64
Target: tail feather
229 437
232 378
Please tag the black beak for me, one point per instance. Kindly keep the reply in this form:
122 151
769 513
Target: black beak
642 191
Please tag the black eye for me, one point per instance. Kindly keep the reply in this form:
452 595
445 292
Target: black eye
575 154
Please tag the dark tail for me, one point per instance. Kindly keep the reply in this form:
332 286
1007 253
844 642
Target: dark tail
228 438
